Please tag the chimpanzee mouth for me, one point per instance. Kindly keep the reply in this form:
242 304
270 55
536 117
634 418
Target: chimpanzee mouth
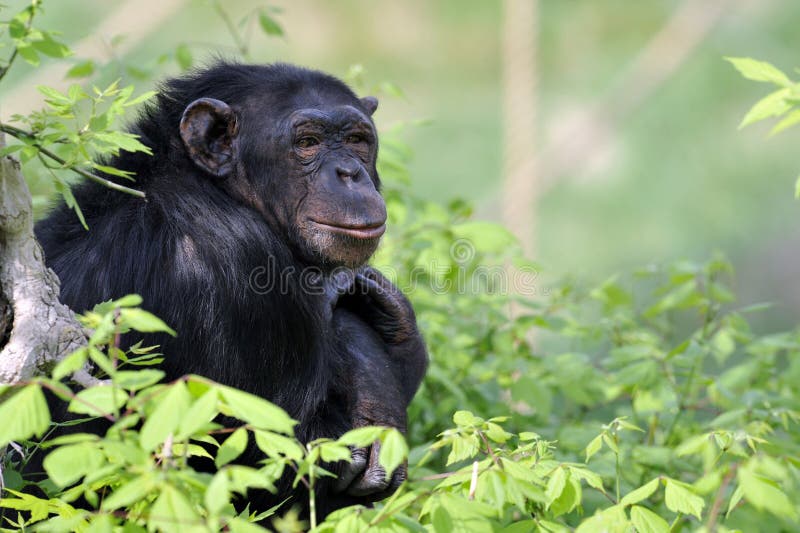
366 231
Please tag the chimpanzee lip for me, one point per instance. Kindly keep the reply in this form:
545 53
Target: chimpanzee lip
365 231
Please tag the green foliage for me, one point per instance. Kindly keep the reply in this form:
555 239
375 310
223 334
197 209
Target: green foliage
646 402
137 473
76 129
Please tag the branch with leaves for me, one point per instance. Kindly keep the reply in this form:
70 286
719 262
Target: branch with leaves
76 129
783 102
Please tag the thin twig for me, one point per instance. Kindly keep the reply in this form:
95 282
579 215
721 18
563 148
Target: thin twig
716 507
490 451
14 54
20 134
4 70
240 44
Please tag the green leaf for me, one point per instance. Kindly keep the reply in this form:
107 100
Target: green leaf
496 433
693 445
393 452
466 418
755 70
98 401
232 448
569 499
129 300
642 493
441 521
736 497
463 447
332 452
137 379
27 52
610 520
789 120
772 105
592 479
145 96
165 418
67 464
129 493
172 513
275 444
556 484
53 94
240 525
480 236
217 493
594 446
269 25
202 411
184 57
624 424
609 441
764 494
120 140
102 360
361 437
257 411
680 498
797 187
646 521
141 320
50 47
112 171
70 364
84 69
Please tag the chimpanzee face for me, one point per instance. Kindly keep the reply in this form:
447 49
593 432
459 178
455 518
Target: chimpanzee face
310 171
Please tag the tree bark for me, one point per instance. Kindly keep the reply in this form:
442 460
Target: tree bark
42 329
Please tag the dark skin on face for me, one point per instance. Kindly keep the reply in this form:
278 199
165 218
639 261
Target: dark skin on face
342 216
329 200
329 208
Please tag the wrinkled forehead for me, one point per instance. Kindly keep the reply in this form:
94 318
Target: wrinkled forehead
328 116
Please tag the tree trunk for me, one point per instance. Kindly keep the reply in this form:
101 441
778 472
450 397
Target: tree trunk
36 329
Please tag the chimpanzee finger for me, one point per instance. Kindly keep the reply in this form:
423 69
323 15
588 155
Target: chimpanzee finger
398 477
384 286
352 470
391 303
374 478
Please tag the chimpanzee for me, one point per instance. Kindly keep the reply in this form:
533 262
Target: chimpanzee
262 208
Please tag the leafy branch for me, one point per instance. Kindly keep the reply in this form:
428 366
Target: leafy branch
28 136
783 102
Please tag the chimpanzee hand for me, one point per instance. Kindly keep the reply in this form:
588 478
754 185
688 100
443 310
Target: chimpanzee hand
365 478
384 307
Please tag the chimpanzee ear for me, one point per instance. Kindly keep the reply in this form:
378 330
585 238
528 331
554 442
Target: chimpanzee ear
370 103
208 129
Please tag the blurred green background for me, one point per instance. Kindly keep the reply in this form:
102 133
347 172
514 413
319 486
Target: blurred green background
673 178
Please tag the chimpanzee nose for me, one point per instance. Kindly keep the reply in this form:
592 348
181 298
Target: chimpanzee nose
348 171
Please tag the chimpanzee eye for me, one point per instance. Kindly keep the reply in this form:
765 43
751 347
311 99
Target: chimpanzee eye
355 139
307 142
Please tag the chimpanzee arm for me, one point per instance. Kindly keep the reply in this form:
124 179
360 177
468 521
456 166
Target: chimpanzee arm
384 361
